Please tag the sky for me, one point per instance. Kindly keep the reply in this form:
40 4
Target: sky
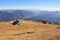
51 5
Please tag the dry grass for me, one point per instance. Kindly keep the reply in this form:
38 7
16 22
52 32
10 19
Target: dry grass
29 30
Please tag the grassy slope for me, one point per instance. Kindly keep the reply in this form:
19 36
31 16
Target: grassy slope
29 30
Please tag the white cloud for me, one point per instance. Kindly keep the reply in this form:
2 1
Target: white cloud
35 8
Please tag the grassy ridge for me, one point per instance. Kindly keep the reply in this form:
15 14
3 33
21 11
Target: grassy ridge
29 30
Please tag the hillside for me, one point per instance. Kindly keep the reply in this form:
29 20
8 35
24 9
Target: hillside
8 15
29 30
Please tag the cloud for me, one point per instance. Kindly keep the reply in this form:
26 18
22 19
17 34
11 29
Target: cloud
35 8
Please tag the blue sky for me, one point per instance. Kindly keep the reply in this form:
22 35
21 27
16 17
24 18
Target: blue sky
30 4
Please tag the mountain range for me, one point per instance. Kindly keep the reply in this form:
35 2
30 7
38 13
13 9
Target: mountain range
51 16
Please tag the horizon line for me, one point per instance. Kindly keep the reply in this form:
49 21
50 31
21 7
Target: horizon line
46 9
